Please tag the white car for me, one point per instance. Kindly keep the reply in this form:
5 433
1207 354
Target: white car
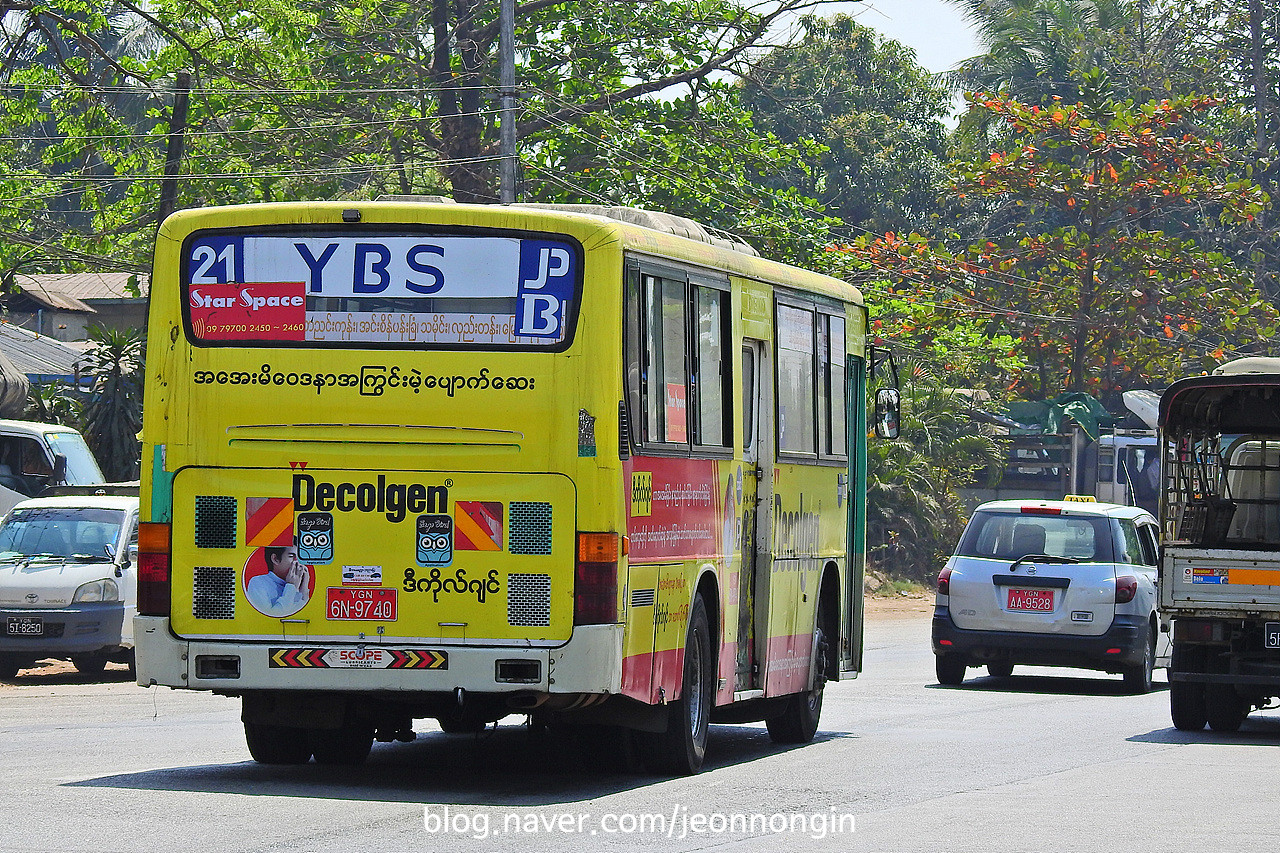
68 588
1050 583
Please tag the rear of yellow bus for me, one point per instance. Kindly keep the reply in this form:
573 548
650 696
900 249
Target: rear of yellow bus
378 481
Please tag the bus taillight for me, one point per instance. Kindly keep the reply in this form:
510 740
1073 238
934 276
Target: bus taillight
153 569
595 587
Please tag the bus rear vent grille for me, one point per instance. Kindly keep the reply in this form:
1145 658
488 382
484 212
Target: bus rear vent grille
214 593
643 597
529 600
530 527
215 521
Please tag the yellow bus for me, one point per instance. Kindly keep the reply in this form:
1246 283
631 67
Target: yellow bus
409 459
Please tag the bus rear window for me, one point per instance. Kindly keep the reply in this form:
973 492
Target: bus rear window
477 291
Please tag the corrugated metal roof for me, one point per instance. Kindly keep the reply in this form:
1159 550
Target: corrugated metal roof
72 291
37 355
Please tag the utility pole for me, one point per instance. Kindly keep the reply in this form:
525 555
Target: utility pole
507 89
173 153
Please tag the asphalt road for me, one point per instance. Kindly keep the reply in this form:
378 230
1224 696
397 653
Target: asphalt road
1056 760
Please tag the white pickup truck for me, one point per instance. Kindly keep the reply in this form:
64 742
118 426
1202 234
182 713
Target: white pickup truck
34 456
68 585
1220 550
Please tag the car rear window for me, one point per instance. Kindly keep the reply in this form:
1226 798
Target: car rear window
1014 535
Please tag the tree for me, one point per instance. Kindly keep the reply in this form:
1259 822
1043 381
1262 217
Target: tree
915 514
54 403
1098 302
877 114
297 99
113 414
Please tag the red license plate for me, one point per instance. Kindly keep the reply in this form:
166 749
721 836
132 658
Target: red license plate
377 604
1035 600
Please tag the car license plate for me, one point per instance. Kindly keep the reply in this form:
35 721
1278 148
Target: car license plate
1034 600
25 626
1271 635
378 604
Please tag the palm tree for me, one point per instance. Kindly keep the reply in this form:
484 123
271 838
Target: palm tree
113 415
54 403
1038 48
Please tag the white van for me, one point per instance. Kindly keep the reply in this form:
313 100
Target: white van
68 586
34 456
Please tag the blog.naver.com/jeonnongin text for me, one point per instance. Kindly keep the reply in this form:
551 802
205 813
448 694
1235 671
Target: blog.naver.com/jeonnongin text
677 823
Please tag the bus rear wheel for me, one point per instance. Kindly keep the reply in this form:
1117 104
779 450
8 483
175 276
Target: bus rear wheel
682 748
270 744
798 722
347 746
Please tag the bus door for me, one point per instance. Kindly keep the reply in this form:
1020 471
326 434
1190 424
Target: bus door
753 408
856 504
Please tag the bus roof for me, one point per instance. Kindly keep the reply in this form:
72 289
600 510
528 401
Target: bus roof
636 230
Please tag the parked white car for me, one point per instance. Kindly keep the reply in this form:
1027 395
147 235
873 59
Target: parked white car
68 588
1051 583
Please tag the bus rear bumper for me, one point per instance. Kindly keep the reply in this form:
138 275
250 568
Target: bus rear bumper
590 663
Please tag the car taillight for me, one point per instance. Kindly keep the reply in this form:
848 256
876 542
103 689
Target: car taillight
1032 509
1126 589
153 569
595 587
944 581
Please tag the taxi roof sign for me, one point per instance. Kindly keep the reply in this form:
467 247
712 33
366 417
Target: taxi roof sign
1081 499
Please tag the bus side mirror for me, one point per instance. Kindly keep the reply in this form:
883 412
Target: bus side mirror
888 411
59 469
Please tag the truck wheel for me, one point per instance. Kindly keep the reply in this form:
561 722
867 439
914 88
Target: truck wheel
1186 706
798 723
1224 709
90 663
277 744
348 746
683 746
1138 678
950 668
999 669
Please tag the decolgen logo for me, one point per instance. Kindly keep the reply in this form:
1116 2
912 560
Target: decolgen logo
395 500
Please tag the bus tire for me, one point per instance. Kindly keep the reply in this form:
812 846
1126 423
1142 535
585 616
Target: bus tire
682 748
347 746
270 744
798 722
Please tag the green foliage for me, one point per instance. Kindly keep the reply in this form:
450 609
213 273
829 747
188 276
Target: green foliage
1102 301
113 414
54 403
875 112
914 513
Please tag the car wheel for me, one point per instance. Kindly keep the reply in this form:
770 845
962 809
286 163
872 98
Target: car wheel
683 746
270 744
950 668
999 669
1224 709
91 663
348 746
1138 678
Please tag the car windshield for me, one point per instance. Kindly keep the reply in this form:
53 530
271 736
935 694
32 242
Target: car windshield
1010 535
82 468
60 532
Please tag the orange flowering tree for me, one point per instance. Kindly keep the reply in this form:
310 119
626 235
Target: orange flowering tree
1087 272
